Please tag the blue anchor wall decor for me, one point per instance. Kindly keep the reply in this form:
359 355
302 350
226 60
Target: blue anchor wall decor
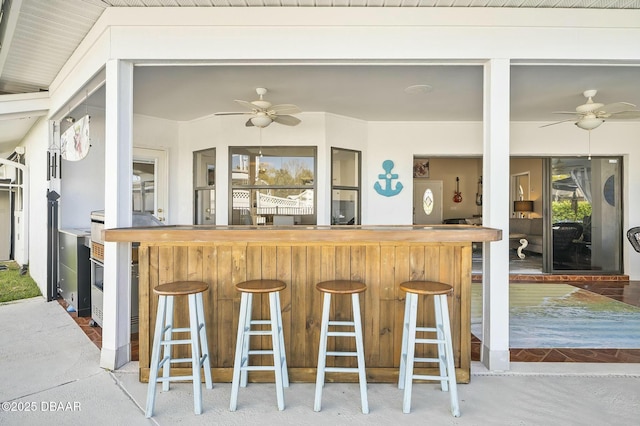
388 191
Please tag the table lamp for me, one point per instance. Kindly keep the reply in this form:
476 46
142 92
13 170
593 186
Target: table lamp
523 206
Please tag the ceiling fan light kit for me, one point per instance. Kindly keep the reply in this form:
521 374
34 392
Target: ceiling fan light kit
589 123
261 121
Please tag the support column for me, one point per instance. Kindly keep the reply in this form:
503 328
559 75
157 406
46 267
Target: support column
116 329
495 212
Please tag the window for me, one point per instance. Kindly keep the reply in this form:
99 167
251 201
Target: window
345 187
272 185
204 183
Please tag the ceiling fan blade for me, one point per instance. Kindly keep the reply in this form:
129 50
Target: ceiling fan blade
287 120
247 105
232 113
558 122
625 115
565 112
285 109
617 107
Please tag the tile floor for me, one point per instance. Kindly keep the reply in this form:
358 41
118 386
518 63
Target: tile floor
623 291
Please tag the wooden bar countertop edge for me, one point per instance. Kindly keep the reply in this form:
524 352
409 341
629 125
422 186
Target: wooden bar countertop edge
302 233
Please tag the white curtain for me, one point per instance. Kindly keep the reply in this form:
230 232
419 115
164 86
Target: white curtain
582 177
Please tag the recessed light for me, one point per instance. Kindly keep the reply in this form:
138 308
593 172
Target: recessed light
418 88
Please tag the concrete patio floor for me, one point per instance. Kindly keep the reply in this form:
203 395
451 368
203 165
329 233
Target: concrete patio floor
50 374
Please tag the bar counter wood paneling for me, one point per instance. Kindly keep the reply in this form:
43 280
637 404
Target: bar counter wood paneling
380 256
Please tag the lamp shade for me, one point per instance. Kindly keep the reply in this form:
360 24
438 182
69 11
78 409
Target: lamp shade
523 206
589 123
261 120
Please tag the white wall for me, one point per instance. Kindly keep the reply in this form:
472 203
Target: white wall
399 142
82 183
36 144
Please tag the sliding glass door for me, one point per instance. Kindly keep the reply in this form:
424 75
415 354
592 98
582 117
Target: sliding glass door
586 215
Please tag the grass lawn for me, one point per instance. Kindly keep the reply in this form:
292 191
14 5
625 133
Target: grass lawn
14 286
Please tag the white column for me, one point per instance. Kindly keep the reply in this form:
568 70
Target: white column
495 212
116 328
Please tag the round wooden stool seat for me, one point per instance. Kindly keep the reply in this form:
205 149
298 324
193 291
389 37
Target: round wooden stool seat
261 286
181 288
428 288
341 287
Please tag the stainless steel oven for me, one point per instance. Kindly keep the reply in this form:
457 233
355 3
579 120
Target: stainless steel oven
97 265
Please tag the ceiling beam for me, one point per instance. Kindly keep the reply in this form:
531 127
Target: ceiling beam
23 105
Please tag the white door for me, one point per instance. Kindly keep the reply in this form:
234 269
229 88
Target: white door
150 182
427 201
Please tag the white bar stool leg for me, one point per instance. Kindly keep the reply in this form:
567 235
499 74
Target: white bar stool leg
283 352
412 300
237 364
275 342
355 303
405 343
195 354
166 347
163 341
322 351
155 356
206 362
442 355
451 370
246 342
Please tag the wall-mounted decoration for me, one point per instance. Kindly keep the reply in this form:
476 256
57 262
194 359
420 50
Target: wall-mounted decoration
457 196
479 193
427 201
388 190
75 142
609 191
420 167
53 166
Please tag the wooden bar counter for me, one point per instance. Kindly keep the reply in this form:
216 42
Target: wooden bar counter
380 256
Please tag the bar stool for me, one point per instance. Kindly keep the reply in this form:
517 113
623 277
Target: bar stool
197 339
447 376
241 364
341 287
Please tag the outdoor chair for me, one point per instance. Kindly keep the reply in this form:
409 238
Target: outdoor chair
633 235
564 235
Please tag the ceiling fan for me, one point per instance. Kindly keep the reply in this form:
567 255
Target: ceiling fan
264 113
592 114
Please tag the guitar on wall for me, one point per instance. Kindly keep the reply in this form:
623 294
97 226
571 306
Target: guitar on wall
479 193
457 198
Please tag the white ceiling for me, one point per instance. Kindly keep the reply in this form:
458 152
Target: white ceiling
40 35
376 92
